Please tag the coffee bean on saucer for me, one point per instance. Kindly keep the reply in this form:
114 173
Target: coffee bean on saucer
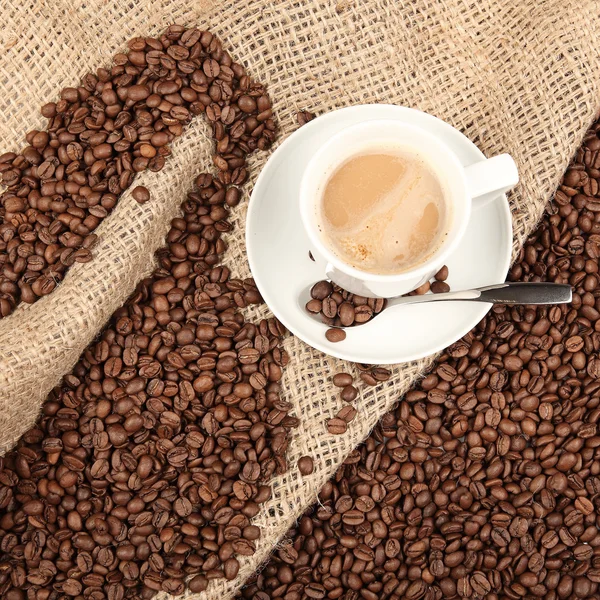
329 308
141 194
440 287
314 306
321 290
336 426
442 274
305 465
363 313
346 313
422 289
335 335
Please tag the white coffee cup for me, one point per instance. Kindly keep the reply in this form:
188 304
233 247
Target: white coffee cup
461 185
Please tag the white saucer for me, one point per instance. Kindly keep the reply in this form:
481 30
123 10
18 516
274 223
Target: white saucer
278 250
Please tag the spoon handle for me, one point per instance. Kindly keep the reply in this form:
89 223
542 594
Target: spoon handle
527 293
502 293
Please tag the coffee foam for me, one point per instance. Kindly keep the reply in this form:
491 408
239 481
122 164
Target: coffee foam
383 211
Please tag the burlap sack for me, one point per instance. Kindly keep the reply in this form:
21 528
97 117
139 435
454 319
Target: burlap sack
518 76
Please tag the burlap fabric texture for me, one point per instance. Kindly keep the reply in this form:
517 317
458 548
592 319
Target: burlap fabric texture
518 76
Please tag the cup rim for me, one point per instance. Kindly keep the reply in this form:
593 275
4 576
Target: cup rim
446 248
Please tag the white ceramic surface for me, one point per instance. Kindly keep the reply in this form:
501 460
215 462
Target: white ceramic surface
278 249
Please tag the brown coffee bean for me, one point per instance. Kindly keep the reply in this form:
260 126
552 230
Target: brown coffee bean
304 117
442 274
363 314
381 374
247 104
141 194
314 306
349 393
315 591
584 506
347 413
305 465
321 290
198 584
335 335
368 378
342 379
346 314
336 426
329 308
440 287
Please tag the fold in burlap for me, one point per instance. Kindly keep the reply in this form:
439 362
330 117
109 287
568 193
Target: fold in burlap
518 76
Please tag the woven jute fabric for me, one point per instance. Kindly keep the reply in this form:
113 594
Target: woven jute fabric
517 76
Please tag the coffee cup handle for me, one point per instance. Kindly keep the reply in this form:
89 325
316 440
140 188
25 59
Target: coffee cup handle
488 178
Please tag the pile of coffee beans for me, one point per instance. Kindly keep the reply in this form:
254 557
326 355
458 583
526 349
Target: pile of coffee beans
338 424
118 122
337 307
369 375
151 458
484 482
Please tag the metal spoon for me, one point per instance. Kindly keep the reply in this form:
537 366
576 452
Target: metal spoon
501 293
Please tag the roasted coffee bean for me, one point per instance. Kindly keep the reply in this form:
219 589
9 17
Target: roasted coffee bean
336 426
335 335
121 121
440 287
150 458
368 378
305 465
141 194
329 308
442 274
346 314
303 117
321 290
347 413
349 393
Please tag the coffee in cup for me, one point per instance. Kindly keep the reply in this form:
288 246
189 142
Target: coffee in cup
384 211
